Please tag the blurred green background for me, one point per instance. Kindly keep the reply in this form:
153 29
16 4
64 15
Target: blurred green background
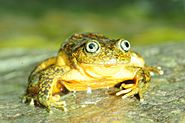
46 23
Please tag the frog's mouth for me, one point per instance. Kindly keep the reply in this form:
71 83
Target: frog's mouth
135 60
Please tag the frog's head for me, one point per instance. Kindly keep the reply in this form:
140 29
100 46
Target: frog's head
96 50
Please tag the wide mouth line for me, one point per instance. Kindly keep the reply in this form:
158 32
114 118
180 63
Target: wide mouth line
103 64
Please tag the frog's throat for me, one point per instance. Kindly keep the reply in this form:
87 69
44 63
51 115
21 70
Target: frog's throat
96 77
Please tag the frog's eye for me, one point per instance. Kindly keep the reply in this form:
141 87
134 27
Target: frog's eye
92 47
124 45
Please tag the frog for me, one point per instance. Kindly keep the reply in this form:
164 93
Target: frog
89 60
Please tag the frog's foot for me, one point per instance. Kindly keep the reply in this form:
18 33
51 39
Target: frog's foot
154 70
29 100
57 103
138 86
130 92
52 101
49 100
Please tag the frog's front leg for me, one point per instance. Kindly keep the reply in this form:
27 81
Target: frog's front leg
49 87
46 63
139 85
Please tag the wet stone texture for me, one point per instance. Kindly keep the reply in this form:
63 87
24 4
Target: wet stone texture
164 100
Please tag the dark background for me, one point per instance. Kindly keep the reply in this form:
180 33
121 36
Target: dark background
46 23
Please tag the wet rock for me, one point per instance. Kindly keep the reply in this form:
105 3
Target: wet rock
164 100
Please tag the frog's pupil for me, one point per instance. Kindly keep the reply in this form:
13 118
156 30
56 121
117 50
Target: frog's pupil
91 46
126 44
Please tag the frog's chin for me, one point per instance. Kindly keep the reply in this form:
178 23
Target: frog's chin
108 71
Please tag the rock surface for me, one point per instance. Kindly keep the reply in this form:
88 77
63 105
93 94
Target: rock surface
164 100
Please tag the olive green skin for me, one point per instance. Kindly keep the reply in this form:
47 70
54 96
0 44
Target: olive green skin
74 47
76 69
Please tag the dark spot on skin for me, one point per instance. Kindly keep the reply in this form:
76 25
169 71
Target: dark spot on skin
48 86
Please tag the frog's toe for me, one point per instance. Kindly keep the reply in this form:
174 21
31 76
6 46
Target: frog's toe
29 100
131 93
24 99
55 98
123 92
60 105
32 102
141 100
57 103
